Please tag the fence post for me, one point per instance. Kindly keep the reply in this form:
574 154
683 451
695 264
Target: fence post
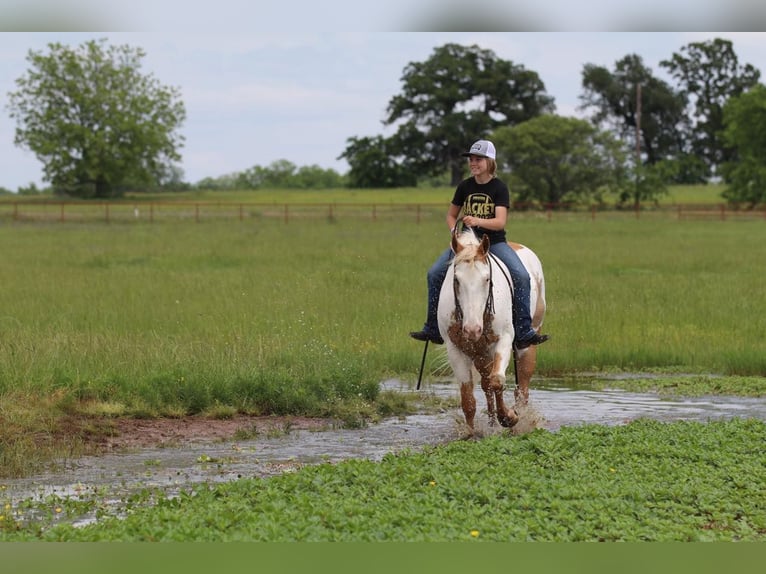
374 212
106 212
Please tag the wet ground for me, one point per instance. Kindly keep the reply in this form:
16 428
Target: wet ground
552 406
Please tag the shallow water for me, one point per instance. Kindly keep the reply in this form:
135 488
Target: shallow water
552 405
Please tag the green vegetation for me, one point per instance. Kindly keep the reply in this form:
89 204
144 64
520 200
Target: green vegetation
440 196
645 481
95 122
145 320
259 316
681 385
594 166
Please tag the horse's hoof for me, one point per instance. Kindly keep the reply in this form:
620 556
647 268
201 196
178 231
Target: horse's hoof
510 419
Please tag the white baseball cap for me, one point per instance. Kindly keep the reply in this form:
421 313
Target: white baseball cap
483 148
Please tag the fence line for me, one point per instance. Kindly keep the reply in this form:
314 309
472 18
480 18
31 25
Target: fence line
152 212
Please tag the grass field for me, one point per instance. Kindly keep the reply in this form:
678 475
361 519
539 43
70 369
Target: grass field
678 194
176 319
103 320
118 312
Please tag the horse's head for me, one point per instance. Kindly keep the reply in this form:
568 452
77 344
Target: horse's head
472 281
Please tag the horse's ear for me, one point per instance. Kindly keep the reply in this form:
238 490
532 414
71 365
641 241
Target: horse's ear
484 244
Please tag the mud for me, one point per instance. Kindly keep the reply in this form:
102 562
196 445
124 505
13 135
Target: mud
176 459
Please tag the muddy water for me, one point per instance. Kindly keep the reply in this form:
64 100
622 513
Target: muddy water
552 406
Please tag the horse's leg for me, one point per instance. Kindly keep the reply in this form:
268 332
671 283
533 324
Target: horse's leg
526 360
507 417
468 402
489 393
461 367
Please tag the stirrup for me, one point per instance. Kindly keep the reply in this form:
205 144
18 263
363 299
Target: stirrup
426 336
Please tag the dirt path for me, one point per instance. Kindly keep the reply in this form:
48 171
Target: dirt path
155 433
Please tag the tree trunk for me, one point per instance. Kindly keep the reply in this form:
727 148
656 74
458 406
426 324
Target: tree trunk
456 173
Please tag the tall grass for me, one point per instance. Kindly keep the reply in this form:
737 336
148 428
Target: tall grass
172 318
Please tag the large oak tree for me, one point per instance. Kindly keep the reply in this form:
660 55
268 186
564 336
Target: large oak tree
97 124
458 95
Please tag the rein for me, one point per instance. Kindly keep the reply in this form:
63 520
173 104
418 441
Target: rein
489 307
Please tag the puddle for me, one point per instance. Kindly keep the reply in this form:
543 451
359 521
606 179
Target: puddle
552 406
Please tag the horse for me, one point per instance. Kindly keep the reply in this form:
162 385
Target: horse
476 323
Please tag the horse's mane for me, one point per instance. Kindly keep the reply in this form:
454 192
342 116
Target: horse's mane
468 240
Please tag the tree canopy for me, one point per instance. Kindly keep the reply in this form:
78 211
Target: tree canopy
613 99
460 94
95 121
372 164
554 159
709 74
745 130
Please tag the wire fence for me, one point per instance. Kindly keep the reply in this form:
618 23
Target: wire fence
198 212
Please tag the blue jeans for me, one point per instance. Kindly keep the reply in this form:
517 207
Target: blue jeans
522 319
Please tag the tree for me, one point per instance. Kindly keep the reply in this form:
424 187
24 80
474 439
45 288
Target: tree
745 131
613 99
460 94
710 74
94 120
373 164
554 159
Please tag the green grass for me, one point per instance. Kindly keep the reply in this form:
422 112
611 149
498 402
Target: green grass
167 308
641 294
645 481
263 317
694 194
677 194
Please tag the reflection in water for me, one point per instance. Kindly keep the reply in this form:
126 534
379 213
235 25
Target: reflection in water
552 403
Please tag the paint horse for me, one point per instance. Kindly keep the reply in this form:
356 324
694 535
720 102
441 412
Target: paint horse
476 323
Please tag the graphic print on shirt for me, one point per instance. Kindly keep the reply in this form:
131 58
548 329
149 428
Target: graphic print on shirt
479 205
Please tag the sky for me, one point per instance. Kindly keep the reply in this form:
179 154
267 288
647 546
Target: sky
255 97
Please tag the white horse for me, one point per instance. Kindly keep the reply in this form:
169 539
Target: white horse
476 323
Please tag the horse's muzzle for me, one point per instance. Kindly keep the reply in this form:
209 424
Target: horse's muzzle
472 332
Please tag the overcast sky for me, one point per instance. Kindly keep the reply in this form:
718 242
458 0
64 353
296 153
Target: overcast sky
256 97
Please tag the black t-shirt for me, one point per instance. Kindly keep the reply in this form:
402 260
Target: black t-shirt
480 200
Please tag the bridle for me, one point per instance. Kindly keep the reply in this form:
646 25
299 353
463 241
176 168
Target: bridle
489 306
